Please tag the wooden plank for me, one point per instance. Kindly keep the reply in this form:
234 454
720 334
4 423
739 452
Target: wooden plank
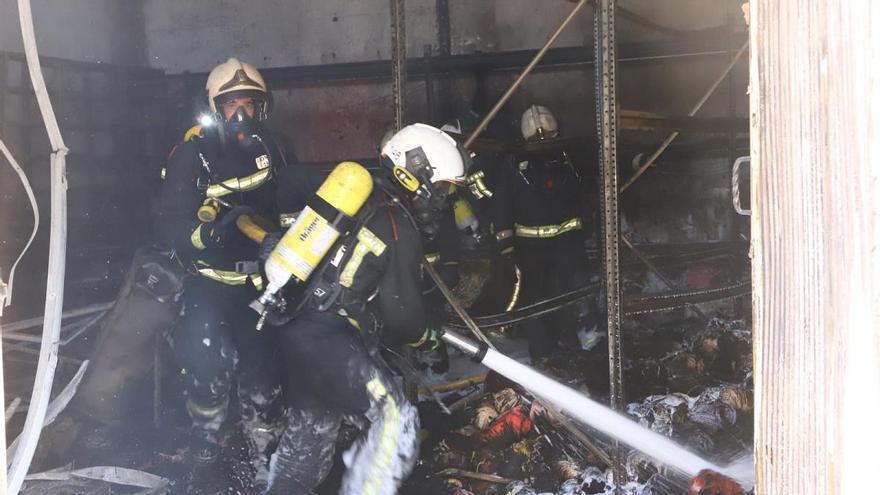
815 101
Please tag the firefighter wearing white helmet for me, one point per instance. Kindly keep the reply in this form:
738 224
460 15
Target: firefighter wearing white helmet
426 162
222 169
537 210
538 124
366 293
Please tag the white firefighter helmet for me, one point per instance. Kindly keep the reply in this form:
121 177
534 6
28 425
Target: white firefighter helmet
538 123
426 154
240 78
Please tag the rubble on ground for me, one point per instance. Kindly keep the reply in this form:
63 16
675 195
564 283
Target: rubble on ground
694 387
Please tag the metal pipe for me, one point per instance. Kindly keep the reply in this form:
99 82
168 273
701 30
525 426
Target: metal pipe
669 139
519 80
456 306
606 114
398 62
20 325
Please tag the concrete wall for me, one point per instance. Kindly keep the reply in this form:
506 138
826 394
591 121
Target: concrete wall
103 31
196 34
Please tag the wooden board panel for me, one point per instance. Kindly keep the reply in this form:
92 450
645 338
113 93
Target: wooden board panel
816 267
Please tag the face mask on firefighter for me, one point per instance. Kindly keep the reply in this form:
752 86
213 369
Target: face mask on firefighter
240 121
428 199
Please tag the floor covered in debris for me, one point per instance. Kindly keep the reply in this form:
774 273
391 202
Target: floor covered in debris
687 376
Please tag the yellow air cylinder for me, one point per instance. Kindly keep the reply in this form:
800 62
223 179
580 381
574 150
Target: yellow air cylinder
464 215
317 227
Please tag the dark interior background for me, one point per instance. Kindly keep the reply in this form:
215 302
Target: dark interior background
126 79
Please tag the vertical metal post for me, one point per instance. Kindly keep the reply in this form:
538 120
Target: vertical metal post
429 84
398 62
606 112
444 32
444 49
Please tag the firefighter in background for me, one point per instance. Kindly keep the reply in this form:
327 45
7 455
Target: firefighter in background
223 168
536 206
365 294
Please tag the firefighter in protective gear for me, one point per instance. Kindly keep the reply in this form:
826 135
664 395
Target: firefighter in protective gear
536 206
218 172
365 295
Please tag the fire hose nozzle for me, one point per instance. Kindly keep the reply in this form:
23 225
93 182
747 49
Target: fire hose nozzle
708 482
476 351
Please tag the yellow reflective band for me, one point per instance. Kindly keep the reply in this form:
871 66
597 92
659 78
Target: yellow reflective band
257 280
287 219
508 250
426 336
367 243
353 322
196 239
224 277
237 184
432 257
422 340
475 177
163 173
202 411
547 231
476 180
192 132
516 287
387 441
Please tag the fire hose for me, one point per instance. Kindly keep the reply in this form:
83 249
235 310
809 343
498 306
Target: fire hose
706 481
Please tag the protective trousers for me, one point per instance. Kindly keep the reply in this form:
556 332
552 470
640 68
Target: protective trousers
333 376
216 344
551 267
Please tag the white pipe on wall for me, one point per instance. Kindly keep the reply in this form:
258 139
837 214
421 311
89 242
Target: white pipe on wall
48 358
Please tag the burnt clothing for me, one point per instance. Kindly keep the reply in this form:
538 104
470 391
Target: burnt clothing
201 168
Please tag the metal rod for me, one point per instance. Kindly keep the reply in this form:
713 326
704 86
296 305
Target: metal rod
606 109
491 478
18 326
657 272
669 139
398 62
157 381
456 306
519 80
429 84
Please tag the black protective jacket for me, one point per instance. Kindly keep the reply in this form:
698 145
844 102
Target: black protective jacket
375 277
535 198
200 168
